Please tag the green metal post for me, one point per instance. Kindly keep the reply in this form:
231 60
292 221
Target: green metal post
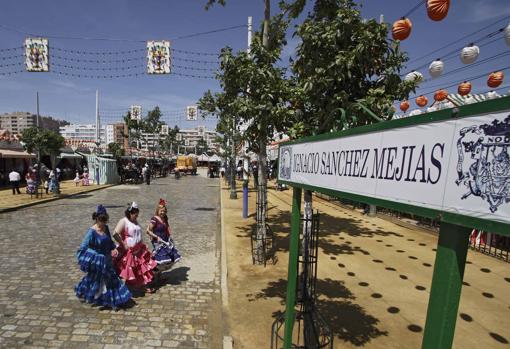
446 286
293 262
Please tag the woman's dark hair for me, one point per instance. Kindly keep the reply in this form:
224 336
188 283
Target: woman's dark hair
128 211
103 217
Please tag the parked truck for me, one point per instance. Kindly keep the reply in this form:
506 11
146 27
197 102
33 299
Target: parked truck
187 164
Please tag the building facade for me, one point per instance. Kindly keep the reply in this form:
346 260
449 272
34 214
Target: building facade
16 122
192 136
83 132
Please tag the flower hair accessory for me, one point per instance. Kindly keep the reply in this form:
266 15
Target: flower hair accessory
162 202
133 206
100 210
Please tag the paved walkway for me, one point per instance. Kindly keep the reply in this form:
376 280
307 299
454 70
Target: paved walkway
373 281
8 201
38 307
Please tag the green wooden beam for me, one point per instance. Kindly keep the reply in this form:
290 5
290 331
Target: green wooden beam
293 262
446 286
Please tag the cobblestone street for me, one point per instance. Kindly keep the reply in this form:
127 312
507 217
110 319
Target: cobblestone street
38 307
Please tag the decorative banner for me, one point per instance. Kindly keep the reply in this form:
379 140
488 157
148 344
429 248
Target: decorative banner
191 113
36 55
158 57
136 112
164 130
457 165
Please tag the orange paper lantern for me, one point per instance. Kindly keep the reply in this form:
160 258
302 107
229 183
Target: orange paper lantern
440 95
495 79
438 9
464 88
404 105
422 101
401 29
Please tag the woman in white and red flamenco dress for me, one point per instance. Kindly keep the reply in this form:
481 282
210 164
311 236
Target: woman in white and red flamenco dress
135 264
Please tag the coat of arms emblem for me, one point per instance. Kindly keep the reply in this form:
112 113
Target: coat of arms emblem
484 163
285 162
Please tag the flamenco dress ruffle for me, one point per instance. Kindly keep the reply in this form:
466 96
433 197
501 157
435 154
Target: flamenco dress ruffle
165 254
136 266
101 285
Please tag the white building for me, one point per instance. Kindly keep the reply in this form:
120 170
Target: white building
191 137
16 122
83 132
110 134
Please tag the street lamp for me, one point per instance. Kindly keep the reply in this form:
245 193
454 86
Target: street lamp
233 193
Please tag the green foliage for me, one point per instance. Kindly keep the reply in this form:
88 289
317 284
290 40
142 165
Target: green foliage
116 150
255 92
210 3
202 146
46 142
343 60
170 141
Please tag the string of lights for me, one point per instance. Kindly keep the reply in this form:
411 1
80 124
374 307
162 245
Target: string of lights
11 72
196 53
11 49
98 69
5 58
97 53
99 61
126 75
414 8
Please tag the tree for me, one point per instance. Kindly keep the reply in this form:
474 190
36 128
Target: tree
116 150
255 92
170 140
43 141
135 128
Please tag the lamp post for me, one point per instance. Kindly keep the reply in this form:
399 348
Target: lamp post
96 167
233 193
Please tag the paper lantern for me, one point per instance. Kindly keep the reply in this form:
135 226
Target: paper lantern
437 10
436 68
404 105
469 54
492 95
440 95
464 88
445 105
507 35
470 100
431 109
495 79
422 101
415 112
414 76
401 29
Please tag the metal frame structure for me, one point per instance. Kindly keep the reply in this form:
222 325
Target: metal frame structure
453 234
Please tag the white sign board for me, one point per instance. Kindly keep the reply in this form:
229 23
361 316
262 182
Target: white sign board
460 166
158 57
191 113
136 112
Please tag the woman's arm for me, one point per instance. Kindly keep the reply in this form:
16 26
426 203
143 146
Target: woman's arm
150 231
119 228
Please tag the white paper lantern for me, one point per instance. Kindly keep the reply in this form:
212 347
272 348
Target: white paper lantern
492 95
436 68
469 54
470 100
415 112
507 35
414 76
431 109
446 105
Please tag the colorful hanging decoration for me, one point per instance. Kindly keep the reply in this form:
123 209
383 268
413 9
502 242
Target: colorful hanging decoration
36 55
436 68
492 95
415 112
469 54
191 113
404 105
422 101
431 109
507 35
464 89
437 10
440 95
414 76
495 79
401 29
158 57
136 112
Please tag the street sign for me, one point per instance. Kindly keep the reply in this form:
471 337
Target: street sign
431 165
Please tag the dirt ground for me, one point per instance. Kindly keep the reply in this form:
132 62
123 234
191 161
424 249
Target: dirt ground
373 281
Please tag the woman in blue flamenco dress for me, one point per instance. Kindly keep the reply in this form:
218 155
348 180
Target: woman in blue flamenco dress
164 252
101 286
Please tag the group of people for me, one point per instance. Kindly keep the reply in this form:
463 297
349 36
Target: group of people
83 179
34 177
113 263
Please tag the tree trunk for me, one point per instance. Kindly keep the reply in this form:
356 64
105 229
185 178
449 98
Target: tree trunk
262 156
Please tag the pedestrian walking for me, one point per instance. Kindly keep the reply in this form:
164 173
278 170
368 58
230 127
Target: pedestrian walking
85 180
164 252
101 285
146 174
15 178
30 179
53 183
134 264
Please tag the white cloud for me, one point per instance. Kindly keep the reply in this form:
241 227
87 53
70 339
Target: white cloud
483 10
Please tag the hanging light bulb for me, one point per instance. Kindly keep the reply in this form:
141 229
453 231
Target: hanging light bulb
469 54
436 68
414 76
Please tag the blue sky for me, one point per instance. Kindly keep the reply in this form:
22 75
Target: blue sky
73 98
